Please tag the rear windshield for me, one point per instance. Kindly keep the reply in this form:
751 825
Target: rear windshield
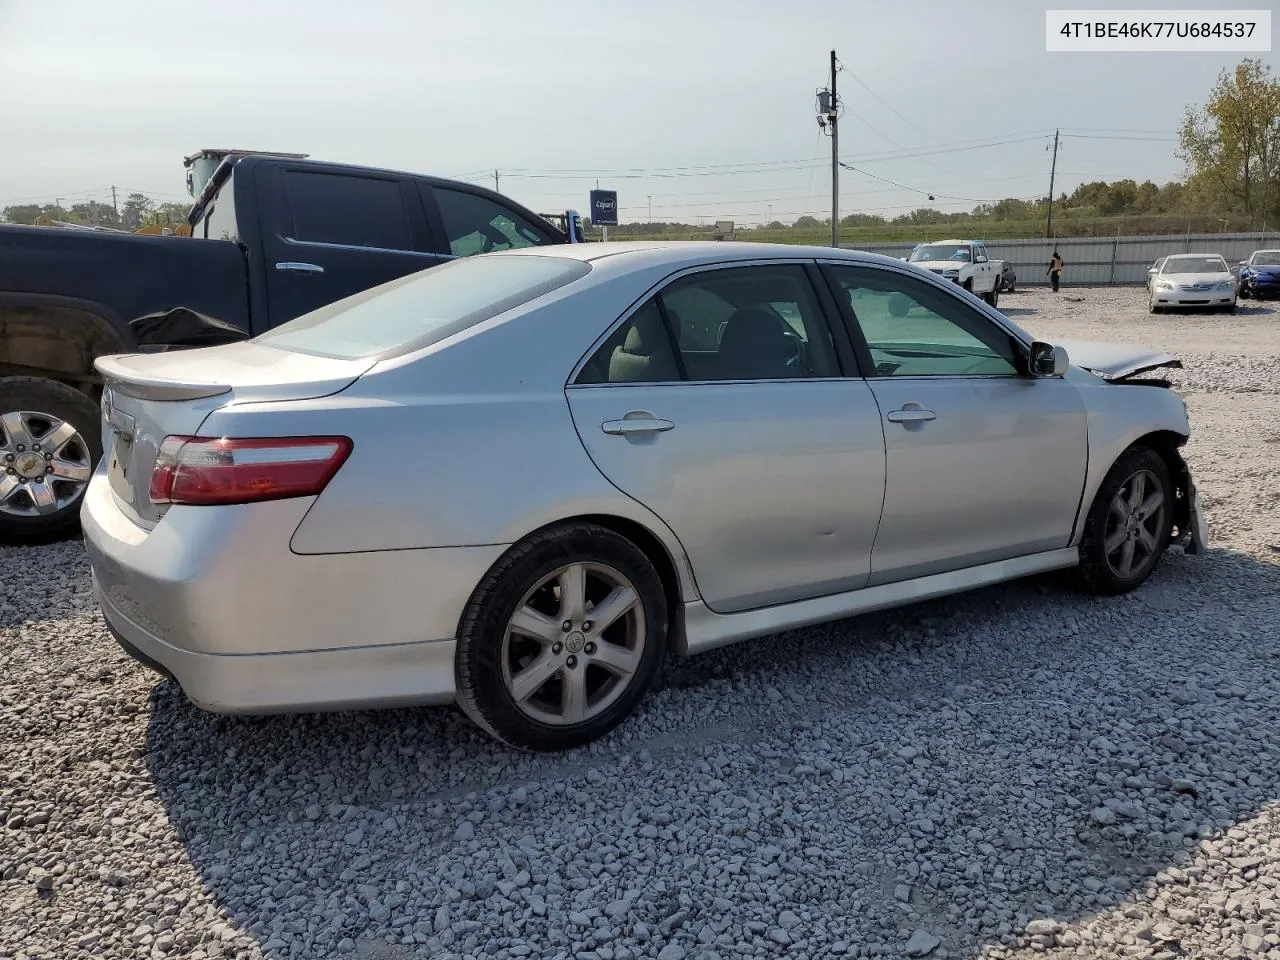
1195 265
425 307
940 251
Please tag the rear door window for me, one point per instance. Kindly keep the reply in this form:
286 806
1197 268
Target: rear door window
353 211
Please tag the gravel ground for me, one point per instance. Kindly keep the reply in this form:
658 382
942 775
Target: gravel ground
1019 772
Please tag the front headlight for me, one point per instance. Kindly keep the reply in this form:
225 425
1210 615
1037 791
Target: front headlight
951 273
1226 285
1163 285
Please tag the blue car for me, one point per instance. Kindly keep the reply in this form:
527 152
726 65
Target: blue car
1260 275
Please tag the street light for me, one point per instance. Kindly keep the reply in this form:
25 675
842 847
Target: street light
650 196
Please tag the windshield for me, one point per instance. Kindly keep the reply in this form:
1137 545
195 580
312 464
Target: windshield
941 251
1266 258
1195 265
424 307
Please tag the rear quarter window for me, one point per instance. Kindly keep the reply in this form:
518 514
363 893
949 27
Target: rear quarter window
425 307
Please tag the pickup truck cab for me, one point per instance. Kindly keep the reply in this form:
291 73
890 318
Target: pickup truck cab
964 262
272 238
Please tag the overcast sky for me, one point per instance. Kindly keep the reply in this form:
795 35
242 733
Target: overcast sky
556 94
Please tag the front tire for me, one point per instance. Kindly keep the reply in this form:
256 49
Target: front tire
1128 526
562 638
1152 308
50 443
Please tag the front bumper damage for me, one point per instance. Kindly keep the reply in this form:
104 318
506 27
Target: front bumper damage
1190 531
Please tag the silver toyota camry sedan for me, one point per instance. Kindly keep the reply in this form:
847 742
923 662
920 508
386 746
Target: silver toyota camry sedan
521 480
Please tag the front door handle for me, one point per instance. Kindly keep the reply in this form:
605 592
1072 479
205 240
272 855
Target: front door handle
643 424
911 414
294 267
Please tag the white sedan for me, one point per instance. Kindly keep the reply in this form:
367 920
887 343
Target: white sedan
1192 280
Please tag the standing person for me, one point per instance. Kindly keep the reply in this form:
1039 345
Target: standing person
1055 270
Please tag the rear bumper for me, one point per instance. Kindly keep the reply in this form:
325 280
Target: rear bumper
214 597
354 678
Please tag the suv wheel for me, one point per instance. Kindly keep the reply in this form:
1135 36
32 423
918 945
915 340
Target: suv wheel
50 443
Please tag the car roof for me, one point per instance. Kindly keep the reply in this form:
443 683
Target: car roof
682 253
1192 256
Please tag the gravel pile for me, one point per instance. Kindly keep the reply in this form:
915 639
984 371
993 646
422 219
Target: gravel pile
1019 772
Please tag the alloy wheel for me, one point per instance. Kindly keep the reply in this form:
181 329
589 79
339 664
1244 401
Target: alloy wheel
574 644
46 464
1134 523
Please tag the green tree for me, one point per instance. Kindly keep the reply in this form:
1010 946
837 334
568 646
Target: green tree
862 220
22 213
95 214
136 209
1231 144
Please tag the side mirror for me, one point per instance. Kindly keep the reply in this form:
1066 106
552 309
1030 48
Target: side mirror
1047 360
980 260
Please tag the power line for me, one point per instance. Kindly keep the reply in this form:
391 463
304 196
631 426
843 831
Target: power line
1099 136
858 80
750 166
849 166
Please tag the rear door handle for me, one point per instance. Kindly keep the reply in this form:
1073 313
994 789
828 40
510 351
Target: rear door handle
911 415
636 425
295 267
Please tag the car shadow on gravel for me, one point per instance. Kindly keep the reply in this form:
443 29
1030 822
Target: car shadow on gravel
961 768
1252 308
1018 311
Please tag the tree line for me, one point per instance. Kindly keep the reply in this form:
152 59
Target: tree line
137 210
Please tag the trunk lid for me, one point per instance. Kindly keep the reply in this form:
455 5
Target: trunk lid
147 397
1115 361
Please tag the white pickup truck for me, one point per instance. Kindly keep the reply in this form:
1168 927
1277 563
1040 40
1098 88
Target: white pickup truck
964 262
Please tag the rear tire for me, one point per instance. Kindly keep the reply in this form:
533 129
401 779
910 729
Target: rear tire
1127 528
534 684
48 420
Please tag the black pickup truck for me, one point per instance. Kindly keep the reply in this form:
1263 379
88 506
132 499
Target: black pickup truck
271 239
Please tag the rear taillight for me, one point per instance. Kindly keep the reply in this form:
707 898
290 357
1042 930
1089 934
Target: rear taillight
206 471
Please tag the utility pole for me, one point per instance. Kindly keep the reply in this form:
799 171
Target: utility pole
1053 169
495 182
113 203
835 158
650 196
